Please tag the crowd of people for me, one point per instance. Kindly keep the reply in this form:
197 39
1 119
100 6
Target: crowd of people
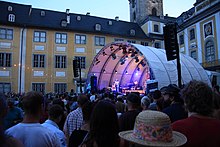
170 116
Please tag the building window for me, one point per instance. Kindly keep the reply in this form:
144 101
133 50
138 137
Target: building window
11 17
193 55
192 34
156 28
209 51
39 36
181 39
99 41
82 61
119 39
5 87
154 12
60 87
61 38
60 61
157 44
98 27
131 41
39 87
5 59
80 39
132 32
144 43
38 61
6 34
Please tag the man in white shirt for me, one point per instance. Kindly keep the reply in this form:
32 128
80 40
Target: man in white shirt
30 132
55 116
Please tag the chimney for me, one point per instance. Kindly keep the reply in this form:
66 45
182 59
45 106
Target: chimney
67 11
117 18
166 15
68 16
88 13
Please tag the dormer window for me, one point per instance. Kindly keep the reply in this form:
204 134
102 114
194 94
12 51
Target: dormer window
10 8
98 27
78 18
42 13
132 32
156 28
110 22
63 23
11 17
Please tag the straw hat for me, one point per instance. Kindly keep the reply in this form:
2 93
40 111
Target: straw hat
153 128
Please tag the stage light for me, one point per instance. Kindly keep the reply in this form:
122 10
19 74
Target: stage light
116 71
103 53
143 63
97 62
136 59
120 47
126 57
124 51
126 72
132 54
112 48
113 56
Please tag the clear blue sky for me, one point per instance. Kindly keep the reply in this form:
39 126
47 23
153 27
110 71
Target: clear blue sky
104 8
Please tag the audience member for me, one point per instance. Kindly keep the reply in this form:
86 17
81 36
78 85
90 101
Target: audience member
5 140
30 132
145 103
156 96
55 116
77 136
14 114
103 126
200 128
127 119
74 119
152 128
176 110
120 106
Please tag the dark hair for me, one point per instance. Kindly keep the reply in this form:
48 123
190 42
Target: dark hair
156 94
104 125
87 110
32 102
198 97
55 111
82 99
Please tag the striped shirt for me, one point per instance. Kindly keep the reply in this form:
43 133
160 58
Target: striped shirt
73 121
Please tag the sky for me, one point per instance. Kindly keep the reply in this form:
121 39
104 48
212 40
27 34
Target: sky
104 8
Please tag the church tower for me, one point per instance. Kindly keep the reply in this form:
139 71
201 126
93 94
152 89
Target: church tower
140 9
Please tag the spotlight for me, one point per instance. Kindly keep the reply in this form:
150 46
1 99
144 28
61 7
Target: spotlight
116 71
103 53
112 48
136 59
126 72
120 47
132 54
113 56
97 62
143 63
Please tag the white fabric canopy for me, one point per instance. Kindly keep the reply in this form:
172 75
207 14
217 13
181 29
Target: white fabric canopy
155 67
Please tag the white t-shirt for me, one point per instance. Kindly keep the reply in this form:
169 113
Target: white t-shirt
33 135
49 124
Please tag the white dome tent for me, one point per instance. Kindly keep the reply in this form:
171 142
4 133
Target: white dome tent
129 63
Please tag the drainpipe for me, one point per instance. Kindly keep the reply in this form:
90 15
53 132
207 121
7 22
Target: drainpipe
21 58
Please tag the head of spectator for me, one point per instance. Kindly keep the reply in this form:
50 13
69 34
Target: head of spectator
81 100
133 101
171 94
145 102
32 105
153 128
11 103
198 98
157 95
55 113
103 126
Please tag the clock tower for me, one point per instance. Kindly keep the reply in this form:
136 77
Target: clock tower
140 9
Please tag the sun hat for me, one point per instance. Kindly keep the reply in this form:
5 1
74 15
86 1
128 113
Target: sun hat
153 128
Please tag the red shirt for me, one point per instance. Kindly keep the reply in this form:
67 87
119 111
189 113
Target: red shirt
200 131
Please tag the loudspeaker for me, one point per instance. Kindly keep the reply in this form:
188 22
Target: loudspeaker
93 83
